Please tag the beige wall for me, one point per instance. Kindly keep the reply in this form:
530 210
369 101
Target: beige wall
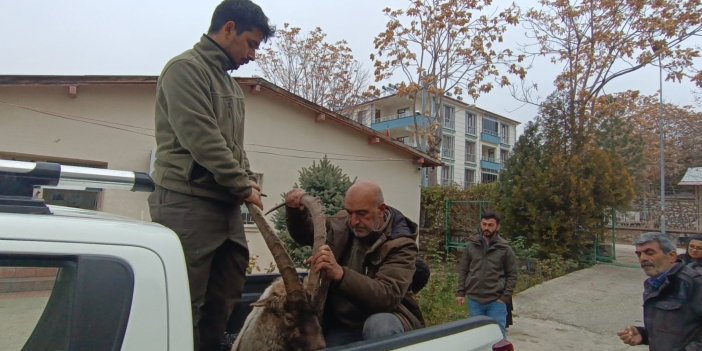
123 139
281 138
294 140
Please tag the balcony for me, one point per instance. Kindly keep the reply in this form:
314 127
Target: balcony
398 122
490 163
470 158
489 136
505 141
470 131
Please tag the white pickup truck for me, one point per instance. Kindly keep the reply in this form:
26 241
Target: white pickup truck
103 282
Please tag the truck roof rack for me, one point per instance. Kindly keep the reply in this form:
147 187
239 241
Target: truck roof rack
18 180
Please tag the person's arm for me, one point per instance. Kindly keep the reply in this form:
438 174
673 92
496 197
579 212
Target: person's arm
186 88
510 276
463 270
297 218
693 301
384 291
633 336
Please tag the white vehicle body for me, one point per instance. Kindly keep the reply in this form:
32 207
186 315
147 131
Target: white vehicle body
121 284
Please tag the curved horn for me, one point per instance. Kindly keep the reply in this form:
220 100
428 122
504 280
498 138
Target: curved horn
280 256
317 285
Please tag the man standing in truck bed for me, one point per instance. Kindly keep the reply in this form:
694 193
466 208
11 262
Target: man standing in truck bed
488 272
201 170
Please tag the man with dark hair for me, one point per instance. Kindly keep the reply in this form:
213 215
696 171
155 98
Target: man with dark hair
370 259
672 299
488 272
201 171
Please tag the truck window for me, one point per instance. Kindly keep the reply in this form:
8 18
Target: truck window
62 303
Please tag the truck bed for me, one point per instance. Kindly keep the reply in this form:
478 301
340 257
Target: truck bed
474 333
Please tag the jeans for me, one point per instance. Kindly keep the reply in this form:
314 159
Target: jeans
376 326
496 310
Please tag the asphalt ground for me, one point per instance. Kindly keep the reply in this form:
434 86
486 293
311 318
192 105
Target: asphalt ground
582 310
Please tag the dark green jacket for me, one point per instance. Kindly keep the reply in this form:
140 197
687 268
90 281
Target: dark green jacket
374 281
487 272
200 126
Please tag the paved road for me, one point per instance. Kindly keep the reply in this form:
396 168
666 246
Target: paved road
582 310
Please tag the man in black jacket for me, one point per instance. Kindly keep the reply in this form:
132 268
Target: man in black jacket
672 299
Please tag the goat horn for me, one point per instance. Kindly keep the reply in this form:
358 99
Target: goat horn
317 285
280 256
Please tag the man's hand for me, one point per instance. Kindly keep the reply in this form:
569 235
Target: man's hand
505 299
293 197
460 300
255 185
630 336
325 261
255 197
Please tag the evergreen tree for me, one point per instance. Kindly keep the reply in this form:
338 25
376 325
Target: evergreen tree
324 181
559 185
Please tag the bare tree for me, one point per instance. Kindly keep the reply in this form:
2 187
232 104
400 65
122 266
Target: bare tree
321 72
445 46
598 41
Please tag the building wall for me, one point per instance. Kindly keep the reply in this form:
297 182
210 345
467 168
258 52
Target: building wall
114 125
389 106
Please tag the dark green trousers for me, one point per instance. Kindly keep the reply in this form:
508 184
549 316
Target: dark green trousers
216 254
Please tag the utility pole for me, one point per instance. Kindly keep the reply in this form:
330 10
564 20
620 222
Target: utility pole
662 142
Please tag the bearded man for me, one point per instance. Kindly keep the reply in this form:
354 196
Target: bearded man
488 273
370 260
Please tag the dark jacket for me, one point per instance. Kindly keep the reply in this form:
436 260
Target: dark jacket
376 277
673 313
200 126
486 273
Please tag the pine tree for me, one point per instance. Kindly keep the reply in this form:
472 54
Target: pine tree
559 186
324 181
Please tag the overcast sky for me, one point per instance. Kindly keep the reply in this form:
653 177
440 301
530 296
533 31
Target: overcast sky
137 37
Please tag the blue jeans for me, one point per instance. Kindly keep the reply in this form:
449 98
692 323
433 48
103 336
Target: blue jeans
496 310
377 325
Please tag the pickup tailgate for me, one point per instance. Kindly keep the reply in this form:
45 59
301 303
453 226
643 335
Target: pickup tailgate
473 334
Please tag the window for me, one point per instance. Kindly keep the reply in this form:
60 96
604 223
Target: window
489 126
468 178
488 154
377 115
361 116
449 117
488 178
504 155
470 123
88 199
447 146
470 151
447 175
401 112
505 133
59 298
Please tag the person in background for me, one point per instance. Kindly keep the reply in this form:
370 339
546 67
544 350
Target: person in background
672 299
488 273
693 256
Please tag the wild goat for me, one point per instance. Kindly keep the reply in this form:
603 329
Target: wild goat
287 316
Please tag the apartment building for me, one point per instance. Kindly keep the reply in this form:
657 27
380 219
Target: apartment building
475 142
